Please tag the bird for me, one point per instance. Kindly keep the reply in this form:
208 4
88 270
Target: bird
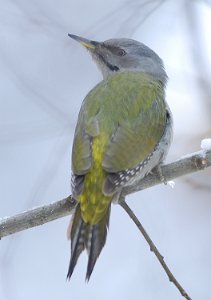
124 131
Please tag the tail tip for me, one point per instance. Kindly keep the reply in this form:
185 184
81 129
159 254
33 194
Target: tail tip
88 275
69 274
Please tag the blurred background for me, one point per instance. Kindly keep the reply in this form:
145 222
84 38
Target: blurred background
44 76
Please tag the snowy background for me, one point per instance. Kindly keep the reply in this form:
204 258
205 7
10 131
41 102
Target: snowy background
44 75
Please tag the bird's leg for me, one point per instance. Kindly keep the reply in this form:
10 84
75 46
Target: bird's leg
158 170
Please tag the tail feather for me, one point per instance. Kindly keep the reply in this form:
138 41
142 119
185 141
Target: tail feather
77 241
97 241
91 237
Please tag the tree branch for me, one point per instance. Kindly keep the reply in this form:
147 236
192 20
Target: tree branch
190 163
154 249
43 214
36 216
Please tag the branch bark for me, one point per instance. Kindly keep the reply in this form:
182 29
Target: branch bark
43 214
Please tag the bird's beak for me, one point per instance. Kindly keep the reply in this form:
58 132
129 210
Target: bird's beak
90 45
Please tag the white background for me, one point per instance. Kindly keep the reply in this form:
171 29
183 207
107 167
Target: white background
44 76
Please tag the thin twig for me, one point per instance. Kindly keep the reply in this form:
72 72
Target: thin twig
43 214
154 249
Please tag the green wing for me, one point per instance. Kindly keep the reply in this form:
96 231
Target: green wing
137 135
127 112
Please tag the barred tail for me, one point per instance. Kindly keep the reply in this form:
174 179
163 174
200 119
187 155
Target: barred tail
89 237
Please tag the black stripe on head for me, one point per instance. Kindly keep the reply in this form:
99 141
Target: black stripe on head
110 66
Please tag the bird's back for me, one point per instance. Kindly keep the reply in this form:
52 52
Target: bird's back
117 128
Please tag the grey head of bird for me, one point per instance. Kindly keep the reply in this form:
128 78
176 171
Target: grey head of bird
123 55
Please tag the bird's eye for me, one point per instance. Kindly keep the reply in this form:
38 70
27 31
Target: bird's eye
121 52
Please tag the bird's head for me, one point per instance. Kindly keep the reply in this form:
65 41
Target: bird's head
121 55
